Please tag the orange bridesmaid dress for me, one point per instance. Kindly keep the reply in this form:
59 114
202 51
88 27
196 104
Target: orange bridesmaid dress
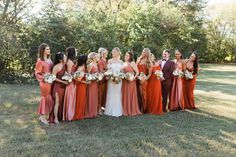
176 97
46 100
80 104
142 91
102 91
188 86
129 95
154 95
92 97
69 100
58 88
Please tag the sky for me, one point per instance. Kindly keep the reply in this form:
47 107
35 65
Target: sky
38 5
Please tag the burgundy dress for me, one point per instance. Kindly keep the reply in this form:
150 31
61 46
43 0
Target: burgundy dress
58 88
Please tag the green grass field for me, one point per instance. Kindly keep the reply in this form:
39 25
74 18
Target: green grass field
208 131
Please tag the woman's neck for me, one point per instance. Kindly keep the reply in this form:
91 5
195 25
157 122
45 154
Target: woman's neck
45 57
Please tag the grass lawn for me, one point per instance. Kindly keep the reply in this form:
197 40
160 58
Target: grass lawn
208 131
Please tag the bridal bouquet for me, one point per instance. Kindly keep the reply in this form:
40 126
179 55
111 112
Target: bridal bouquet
67 77
99 76
79 74
117 76
188 75
129 76
142 76
159 74
108 73
178 73
90 77
49 78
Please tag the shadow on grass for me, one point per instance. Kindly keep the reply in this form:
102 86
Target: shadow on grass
188 133
215 86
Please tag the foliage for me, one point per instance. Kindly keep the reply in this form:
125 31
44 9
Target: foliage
90 24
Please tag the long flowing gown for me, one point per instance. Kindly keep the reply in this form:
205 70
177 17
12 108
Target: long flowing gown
129 95
102 91
81 98
46 100
69 100
58 88
142 88
92 97
154 94
176 96
188 86
113 102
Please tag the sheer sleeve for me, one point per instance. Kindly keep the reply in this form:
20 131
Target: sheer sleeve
39 71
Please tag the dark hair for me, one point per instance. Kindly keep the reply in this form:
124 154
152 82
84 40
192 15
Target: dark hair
195 63
41 50
167 50
71 52
82 60
58 58
131 56
178 50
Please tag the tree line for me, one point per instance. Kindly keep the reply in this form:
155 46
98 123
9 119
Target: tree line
90 24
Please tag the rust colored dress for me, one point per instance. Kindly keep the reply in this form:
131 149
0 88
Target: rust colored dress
92 97
69 100
46 100
102 87
142 88
176 96
80 104
154 94
58 88
188 86
129 95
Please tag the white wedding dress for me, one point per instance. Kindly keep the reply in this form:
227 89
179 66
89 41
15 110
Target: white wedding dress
113 103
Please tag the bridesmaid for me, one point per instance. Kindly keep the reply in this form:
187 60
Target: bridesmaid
43 66
189 85
92 90
69 98
143 64
81 86
58 88
129 89
176 96
154 94
102 66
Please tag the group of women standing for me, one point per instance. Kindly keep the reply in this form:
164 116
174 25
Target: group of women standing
82 98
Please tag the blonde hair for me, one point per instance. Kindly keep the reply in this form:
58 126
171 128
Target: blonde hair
148 62
102 50
117 49
91 57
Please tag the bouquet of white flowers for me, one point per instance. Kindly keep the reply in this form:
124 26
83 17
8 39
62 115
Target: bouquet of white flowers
49 78
90 77
99 76
159 74
142 76
178 73
117 76
188 75
108 73
79 74
129 76
67 77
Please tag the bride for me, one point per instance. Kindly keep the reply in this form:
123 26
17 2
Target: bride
113 101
